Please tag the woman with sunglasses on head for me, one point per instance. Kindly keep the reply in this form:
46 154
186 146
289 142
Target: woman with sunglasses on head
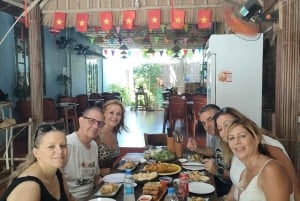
264 178
39 178
108 147
222 119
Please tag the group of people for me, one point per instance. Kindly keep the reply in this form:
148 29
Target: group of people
67 167
247 163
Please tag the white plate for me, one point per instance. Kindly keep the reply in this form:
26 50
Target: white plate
109 194
114 178
201 188
193 166
133 156
102 199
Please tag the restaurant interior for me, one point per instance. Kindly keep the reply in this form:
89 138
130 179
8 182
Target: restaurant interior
44 68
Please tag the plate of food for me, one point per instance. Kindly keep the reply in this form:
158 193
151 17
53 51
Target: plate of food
194 198
195 158
163 168
114 178
155 189
142 177
197 176
193 166
108 189
201 188
163 155
131 165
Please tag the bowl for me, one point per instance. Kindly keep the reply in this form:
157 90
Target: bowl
183 160
166 179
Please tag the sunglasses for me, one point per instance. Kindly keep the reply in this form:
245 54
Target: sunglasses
44 128
93 121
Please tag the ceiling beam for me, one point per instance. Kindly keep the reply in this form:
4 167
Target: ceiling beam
14 3
91 10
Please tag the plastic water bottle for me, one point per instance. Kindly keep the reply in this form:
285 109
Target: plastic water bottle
171 196
128 186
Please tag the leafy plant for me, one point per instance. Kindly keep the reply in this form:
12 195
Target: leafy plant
124 91
22 88
65 80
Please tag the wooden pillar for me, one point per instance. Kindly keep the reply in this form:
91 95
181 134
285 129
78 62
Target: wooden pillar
36 70
287 78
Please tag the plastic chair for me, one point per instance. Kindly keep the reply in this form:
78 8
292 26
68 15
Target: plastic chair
155 139
178 111
198 103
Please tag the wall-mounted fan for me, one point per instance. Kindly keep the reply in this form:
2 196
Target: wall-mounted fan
81 49
62 42
246 18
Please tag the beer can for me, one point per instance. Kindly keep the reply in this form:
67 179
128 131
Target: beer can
184 184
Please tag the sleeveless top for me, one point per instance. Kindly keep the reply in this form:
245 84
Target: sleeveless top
45 195
253 192
107 155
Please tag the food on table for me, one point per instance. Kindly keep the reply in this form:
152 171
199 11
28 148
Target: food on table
197 176
145 198
143 176
161 167
195 158
128 165
153 188
163 155
108 188
197 199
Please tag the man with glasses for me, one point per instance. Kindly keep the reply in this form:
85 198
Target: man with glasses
82 169
215 166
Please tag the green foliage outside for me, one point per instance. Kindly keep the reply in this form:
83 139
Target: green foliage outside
146 76
124 91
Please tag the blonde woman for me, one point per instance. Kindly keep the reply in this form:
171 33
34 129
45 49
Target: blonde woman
39 178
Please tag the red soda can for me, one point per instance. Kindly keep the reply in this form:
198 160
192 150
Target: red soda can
184 184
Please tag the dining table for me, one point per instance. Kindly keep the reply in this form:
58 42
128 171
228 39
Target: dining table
138 189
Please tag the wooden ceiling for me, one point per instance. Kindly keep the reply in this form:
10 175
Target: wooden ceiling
134 38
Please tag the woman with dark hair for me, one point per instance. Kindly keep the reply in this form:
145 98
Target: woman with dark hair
39 178
263 177
223 118
108 147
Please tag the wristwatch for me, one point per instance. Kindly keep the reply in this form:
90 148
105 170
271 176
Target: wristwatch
220 172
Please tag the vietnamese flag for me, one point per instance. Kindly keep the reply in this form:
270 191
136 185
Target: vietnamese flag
59 20
154 19
128 19
106 21
81 22
204 19
177 19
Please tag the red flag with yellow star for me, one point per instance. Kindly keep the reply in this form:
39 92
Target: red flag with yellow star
128 19
177 18
81 22
106 21
204 19
154 19
59 20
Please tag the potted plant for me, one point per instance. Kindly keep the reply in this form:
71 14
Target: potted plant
65 80
22 88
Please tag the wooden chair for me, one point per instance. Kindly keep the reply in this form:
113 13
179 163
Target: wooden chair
198 103
83 103
70 112
97 99
178 111
50 114
155 139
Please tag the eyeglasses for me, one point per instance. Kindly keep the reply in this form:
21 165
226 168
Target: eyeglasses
93 121
44 128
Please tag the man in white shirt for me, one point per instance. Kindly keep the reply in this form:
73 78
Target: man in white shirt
82 169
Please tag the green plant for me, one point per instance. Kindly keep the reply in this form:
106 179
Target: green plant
22 88
65 80
124 91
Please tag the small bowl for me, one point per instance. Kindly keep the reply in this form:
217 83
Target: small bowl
166 179
183 160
